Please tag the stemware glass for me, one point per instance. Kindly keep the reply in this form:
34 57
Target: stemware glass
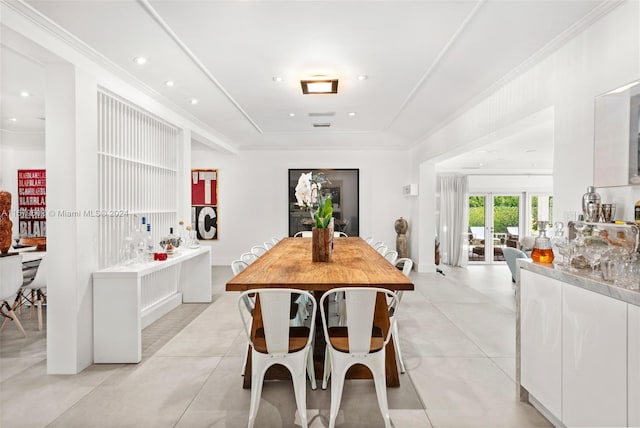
593 254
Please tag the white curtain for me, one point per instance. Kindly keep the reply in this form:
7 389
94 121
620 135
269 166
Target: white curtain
454 219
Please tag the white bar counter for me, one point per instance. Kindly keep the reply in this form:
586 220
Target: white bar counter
577 347
127 298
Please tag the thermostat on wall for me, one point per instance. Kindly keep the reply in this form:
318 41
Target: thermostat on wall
410 190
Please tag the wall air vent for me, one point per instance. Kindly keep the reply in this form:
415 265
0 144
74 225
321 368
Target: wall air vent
321 125
323 114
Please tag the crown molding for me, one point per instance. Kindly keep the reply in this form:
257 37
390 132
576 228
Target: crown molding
62 35
552 46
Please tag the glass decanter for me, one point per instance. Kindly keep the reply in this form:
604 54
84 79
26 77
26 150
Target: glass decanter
542 252
560 243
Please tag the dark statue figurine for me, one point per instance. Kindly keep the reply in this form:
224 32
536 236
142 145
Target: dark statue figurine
401 226
5 222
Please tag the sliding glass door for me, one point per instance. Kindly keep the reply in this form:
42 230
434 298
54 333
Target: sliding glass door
494 222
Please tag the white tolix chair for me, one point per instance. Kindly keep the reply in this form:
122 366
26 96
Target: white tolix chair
276 342
359 342
407 265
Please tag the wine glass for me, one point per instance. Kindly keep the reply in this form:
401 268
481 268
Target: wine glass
593 254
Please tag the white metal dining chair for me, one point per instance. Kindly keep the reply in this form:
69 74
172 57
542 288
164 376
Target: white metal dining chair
10 283
275 240
407 265
238 266
359 342
368 239
340 235
382 249
35 291
268 245
303 234
377 245
276 342
391 256
248 258
258 250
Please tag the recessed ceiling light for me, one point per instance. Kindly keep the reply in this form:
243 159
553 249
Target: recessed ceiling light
319 86
169 83
140 60
362 77
292 114
13 119
194 101
352 113
25 94
277 79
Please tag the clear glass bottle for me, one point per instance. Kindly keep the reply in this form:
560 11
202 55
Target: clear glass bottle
559 243
542 252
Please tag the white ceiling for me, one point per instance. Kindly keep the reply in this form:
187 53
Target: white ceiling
426 62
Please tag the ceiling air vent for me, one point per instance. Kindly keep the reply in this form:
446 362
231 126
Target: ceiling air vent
323 114
321 125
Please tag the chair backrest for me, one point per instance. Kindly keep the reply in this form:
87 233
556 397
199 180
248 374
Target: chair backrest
510 256
238 266
382 249
248 258
10 276
275 240
368 239
275 305
340 235
303 234
258 250
377 244
268 245
40 280
407 265
478 232
513 230
392 256
360 305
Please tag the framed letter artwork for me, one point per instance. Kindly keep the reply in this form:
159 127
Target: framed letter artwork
204 203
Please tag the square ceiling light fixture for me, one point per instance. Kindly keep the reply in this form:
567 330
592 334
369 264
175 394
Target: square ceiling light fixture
319 86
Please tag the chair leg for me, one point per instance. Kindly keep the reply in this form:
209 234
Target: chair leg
244 365
327 368
39 303
395 334
300 392
10 315
381 390
257 378
337 385
311 370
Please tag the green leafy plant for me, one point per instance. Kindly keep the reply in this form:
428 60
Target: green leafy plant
309 196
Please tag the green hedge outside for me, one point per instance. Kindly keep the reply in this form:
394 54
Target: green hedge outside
503 217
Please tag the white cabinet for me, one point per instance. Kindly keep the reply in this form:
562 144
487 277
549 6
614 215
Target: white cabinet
541 339
594 359
633 361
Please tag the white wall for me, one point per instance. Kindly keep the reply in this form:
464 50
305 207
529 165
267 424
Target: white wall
604 56
253 193
510 183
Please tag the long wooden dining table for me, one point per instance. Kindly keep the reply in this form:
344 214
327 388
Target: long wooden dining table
354 264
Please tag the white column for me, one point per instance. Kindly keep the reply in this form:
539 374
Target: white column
184 178
72 186
427 218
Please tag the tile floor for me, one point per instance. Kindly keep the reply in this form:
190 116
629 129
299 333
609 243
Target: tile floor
458 337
